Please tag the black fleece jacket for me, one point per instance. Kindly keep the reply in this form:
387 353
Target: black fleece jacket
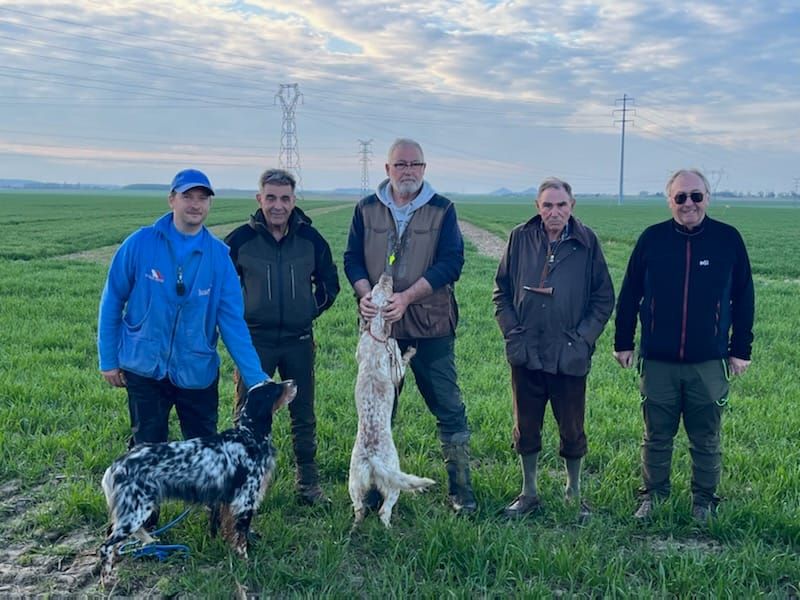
693 292
286 284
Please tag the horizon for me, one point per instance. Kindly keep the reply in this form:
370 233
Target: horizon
156 190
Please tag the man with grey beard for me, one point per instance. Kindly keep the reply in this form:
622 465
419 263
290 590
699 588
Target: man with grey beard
409 231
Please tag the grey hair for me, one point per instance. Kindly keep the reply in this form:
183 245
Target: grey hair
554 183
276 177
404 142
680 172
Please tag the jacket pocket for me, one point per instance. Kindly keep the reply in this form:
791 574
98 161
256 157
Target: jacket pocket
426 320
259 290
197 369
574 355
516 349
139 349
138 354
300 306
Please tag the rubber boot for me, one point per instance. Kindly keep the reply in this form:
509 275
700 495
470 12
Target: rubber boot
308 490
456 461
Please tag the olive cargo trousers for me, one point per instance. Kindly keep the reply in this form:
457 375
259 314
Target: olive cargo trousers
699 392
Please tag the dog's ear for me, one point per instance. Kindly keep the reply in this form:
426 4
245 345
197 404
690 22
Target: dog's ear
262 402
289 391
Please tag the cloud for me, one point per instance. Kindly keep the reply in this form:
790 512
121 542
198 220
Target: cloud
479 82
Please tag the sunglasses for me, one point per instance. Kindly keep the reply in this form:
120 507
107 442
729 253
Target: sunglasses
682 197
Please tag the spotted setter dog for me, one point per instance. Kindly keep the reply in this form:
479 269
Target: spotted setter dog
229 471
374 461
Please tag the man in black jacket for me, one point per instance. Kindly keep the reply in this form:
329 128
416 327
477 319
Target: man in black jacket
690 282
288 279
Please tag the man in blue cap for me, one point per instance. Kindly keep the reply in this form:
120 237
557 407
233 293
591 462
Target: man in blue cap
171 292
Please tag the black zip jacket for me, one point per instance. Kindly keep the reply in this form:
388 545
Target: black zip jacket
286 284
693 292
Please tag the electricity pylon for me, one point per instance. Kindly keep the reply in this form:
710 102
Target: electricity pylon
289 157
365 153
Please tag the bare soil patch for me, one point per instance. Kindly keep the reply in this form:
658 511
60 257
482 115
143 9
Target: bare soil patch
670 544
487 243
41 563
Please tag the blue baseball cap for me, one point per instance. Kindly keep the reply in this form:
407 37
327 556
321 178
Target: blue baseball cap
188 179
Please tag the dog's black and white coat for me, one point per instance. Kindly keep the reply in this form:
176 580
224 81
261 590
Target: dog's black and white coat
229 471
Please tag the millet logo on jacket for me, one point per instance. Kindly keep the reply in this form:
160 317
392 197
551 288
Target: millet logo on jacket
704 263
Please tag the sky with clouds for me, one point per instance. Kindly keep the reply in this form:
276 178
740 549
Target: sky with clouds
499 93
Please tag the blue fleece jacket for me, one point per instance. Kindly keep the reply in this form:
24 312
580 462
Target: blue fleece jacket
146 327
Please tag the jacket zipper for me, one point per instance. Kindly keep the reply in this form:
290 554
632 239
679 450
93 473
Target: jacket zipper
172 336
652 314
294 289
280 289
684 317
179 283
269 282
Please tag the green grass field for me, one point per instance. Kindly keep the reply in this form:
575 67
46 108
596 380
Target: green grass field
61 425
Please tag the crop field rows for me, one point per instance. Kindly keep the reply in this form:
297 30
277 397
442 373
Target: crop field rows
61 425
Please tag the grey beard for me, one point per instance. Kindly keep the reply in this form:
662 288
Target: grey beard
409 188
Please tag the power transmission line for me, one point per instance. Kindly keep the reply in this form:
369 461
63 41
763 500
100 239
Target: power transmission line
624 110
289 156
365 153
715 175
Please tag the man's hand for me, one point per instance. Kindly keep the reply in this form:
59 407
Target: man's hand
737 365
366 308
115 377
624 358
363 291
399 301
395 307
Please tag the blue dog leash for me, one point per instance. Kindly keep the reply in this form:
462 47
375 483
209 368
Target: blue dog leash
156 550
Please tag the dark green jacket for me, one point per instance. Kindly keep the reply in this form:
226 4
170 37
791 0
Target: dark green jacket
551 312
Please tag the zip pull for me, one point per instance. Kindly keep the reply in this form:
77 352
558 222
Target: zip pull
180 286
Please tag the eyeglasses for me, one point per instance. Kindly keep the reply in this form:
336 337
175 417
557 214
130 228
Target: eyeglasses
404 166
682 197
